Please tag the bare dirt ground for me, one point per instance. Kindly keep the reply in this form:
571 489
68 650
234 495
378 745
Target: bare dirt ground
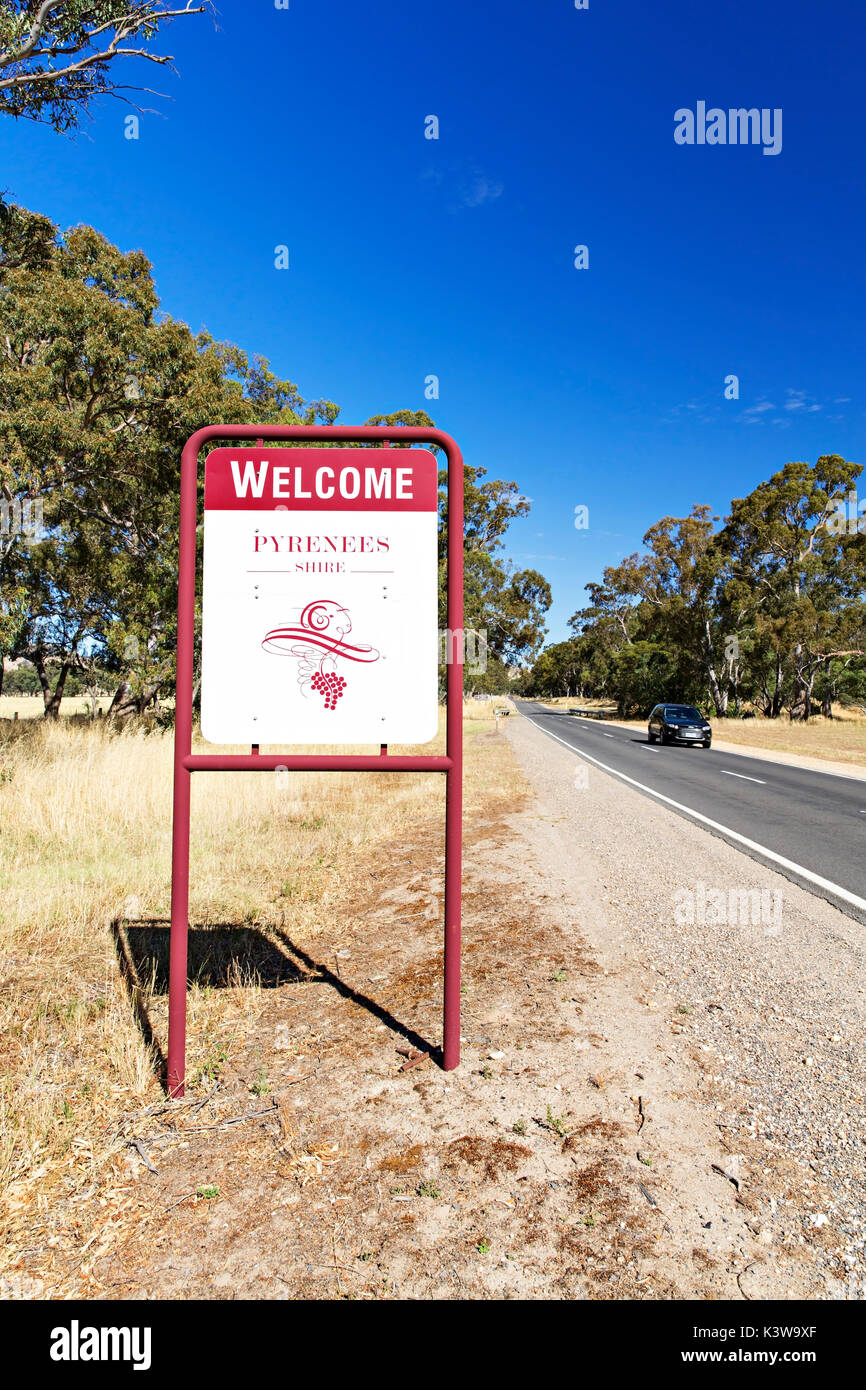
637 1115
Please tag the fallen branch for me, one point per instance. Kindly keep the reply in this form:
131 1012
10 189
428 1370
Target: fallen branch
142 1153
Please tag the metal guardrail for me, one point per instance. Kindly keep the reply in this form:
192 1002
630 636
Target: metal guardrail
592 713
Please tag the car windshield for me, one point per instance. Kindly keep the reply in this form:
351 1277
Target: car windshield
683 712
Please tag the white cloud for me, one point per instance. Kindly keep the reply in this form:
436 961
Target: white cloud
463 185
800 400
479 189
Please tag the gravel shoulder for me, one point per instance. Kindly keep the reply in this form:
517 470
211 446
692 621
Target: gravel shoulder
756 1028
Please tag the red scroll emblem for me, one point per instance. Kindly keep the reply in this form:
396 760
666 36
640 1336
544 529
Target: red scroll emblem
317 643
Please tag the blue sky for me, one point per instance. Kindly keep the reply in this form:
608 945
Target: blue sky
409 257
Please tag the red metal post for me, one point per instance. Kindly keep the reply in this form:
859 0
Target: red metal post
315 762
182 776
454 775
185 763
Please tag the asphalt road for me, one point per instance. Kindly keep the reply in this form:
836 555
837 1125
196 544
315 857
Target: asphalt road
811 826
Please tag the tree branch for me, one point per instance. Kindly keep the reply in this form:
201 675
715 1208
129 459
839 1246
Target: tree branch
35 31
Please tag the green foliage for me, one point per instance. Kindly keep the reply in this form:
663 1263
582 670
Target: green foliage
405 419
98 393
505 603
99 390
558 670
642 674
56 59
767 610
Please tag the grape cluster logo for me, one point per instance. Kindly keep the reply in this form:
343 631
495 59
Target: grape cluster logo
330 686
317 643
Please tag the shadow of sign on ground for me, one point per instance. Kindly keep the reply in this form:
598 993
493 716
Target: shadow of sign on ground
227 956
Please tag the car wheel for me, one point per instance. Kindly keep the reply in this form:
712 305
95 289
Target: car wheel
650 736
663 738
708 743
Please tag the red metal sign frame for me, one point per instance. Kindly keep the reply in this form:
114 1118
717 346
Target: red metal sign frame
186 762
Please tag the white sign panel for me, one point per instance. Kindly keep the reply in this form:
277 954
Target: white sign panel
319 606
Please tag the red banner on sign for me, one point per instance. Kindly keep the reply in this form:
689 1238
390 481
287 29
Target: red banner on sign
320 480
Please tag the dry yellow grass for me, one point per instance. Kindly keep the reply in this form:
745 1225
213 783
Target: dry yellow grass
842 738
33 707
86 816
486 709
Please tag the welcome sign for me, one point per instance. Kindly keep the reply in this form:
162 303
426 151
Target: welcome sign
319 603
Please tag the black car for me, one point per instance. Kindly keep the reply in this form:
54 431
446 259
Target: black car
679 724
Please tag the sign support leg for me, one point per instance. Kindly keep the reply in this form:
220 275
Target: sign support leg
453 872
454 775
178 948
177 970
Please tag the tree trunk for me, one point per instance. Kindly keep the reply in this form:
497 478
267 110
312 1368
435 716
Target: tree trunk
52 708
827 700
776 704
718 692
45 684
808 691
123 703
801 705
147 697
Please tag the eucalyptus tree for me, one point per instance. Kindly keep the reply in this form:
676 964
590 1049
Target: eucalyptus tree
800 577
98 393
58 56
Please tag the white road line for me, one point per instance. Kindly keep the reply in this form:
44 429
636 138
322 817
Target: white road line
604 735
745 752
770 854
742 776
